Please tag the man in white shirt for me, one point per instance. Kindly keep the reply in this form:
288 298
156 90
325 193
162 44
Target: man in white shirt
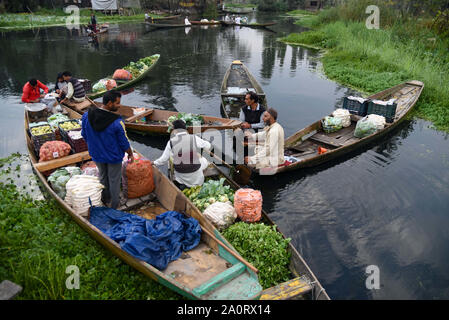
188 163
187 22
271 152
227 19
237 20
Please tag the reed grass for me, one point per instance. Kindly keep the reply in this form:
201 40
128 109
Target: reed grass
374 60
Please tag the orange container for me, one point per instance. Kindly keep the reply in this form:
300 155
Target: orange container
248 204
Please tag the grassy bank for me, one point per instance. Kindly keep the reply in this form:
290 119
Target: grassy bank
373 60
38 241
47 18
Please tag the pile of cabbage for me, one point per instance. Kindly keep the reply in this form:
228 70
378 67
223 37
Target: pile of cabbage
189 118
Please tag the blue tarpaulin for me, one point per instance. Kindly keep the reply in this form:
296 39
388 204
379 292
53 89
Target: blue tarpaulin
156 242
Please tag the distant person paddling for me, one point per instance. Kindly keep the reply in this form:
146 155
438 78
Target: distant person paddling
107 142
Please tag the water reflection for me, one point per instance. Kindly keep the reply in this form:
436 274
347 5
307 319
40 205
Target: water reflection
386 204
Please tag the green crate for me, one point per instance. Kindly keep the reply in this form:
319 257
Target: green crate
388 111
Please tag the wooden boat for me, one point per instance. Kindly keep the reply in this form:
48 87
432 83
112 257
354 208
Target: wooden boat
303 283
165 18
155 120
304 144
212 270
166 25
124 84
102 29
236 83
208 23
250 25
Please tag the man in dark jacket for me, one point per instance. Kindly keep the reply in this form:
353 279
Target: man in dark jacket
104 132
251 114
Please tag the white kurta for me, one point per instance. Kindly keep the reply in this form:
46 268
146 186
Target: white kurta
271 152
192 179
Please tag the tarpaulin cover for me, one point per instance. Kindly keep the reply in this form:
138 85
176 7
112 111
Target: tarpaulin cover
104 4
156 242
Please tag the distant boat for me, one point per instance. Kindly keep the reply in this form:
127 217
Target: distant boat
249 25
166 25
236 83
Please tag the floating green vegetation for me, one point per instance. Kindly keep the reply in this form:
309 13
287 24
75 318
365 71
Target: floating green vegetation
374 60
38 241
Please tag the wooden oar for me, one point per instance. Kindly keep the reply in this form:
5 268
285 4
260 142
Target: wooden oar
241 173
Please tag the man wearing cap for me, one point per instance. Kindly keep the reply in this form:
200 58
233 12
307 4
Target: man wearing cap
270 153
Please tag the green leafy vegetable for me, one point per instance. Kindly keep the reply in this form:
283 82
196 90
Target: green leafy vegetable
263 247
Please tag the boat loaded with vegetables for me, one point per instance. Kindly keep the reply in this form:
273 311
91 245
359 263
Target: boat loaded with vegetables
237 212
159 121
204 267
125 77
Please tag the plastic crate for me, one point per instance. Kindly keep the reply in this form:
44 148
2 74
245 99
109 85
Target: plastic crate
388 111
39 140
78 145
64 132
356 107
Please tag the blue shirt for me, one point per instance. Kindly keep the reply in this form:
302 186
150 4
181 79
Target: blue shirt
107 146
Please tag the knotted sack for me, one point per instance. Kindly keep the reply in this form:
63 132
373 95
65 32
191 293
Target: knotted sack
139 178
248 204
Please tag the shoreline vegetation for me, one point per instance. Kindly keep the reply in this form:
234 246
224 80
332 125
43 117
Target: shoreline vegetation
373 60
53 18
39 241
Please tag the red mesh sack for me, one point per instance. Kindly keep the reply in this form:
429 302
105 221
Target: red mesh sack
110 84
53 150
139 176
122 74
248 204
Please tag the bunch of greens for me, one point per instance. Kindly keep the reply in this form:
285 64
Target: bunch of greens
139 67
188 118
211 191
263 247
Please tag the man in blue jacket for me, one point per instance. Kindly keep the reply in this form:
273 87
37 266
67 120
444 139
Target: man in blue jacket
104 132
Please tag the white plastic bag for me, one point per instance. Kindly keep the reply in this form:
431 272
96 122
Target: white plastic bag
221 214
79 189
344 115
378 120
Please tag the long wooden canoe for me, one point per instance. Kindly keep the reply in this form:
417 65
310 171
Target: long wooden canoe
164 18
155 119
126 83
250 25
303 284
236 83
166 25
304 144
212 270
208 23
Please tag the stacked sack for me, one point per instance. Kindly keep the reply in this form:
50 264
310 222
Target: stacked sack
221 214
369 125
137 177
81 188
344 116
54 149
248 204
331 124
122 74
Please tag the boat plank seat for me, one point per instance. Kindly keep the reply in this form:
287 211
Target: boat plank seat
140 115
64 161
78 105
287 290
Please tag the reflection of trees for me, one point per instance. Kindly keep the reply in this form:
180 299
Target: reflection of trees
268 57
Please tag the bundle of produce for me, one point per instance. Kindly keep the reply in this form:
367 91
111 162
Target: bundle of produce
81 188
248 204
53 149
69 125
60 177
189 118
380 121
122 74
139 67
331 124
263 247
210 192
344 115
56 118
365 127
100 85
90 169
41 129
221 214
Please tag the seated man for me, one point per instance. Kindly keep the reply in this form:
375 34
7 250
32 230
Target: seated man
187 160
251 115
75 89
31 91
187 22
271 152
237 20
